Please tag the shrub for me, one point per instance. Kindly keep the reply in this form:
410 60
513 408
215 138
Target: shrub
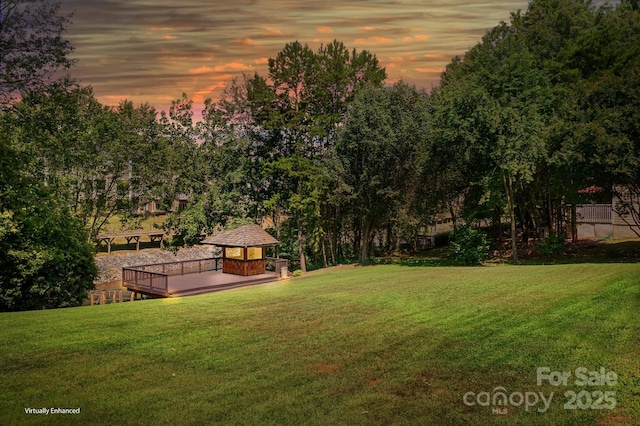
469 245
442 239
551 246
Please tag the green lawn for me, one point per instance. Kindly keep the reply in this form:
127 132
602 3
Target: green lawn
385 344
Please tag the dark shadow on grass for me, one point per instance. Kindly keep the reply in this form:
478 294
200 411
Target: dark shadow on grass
627 251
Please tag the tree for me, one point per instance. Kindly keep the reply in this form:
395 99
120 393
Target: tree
299 109
379 154
45 258
101 160
33 50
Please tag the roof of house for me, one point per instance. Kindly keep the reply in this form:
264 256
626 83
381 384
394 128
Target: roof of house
244 236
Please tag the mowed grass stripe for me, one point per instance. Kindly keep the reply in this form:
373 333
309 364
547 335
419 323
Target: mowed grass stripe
384 344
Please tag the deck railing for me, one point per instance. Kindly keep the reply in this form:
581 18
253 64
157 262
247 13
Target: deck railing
135 279
155 277
594 213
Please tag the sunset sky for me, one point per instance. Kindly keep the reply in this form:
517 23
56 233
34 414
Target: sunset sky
154 50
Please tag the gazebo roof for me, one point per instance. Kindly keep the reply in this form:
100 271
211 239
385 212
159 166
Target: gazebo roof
245 236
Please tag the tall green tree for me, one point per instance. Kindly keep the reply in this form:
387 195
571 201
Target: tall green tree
45 258
299 109
100 159
379 154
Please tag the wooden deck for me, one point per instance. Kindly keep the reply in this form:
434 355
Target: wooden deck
208 282
187 278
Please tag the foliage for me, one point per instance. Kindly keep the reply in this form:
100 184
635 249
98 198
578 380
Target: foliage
443 239
102 161
379 154
469 245
45 259
552 245
545 105
33 50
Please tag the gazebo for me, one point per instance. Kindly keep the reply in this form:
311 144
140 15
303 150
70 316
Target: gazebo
243 249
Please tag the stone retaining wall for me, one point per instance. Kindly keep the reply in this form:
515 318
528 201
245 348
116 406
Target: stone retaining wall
110 266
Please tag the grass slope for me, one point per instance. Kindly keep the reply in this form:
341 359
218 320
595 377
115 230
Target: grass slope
372 345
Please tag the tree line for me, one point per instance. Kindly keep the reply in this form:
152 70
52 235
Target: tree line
339 163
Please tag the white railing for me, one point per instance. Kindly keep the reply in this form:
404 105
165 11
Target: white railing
594 213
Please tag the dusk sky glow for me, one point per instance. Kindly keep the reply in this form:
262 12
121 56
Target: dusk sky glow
153 51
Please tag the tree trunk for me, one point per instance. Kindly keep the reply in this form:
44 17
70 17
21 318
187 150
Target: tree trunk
508 186
303 264
324 254
332 248
366 231
452 212
356 236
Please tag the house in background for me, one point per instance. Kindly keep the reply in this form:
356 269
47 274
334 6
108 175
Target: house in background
597 221
181 201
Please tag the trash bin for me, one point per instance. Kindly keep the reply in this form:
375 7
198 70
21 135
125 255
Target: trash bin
284 273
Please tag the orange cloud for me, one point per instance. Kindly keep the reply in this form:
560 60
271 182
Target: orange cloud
430 70
324 30
200 70
232 66
273 31
381 39
115 99
437 56
261 61
367 28
246 41
201 94
373 39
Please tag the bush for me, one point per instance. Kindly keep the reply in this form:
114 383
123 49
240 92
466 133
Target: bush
442 239
469 245
551 246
